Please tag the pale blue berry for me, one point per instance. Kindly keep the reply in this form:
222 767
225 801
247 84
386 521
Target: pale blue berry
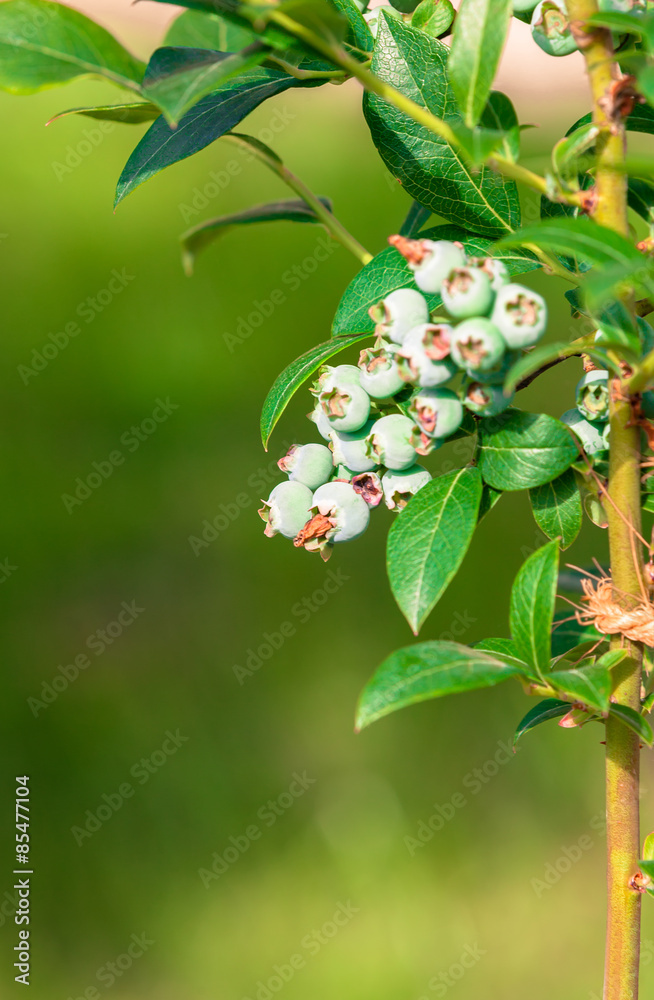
310 464
550 29
380 376
399 487
389 442
368 486
336 378
287 509
497 374
520 315
398 313
417 357
351 449
594 437
495 270
340 516
437 412
486 400
424 443
319 418
592 396
467 292
347 407
430 260
477 345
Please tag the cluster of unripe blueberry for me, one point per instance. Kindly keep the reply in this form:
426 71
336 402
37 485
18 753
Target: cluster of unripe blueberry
379 417
589 419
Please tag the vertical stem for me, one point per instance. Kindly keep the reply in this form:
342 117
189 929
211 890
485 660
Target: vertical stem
622 745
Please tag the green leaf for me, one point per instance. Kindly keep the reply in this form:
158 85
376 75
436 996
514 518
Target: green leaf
557 508
568 151
416 218
549 708
489 498
177 78
242 15
640 193
499 114
433 16
290 380
430 170
635 23
429 539
529 363
388 271
648 848
215 115
506 651
427 670
646 866
579 237
567 635
641 119
532 607
43 44
201 236
480 31
359 35
522 450
634 721
199 30
589 685
129 114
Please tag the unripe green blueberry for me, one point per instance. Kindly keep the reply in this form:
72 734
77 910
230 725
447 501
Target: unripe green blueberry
399 487
351 449
336 378
319 418
380 376
398 313
287 509
347 408
368 485
467 292
344 508
389 442
520 315
486 400
594 437
310 464
592 396
550 29
497 374
415 359
495 270
430 260
434 17
437 412
372 17
405 6
424 443
477 345
523 9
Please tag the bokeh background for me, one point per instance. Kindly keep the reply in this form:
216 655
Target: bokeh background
478 886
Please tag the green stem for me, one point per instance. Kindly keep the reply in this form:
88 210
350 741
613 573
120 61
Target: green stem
327 218
416 112
624 517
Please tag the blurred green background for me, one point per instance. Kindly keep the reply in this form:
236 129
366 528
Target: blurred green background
469 889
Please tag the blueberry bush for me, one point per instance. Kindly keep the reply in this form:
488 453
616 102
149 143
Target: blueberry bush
451 335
